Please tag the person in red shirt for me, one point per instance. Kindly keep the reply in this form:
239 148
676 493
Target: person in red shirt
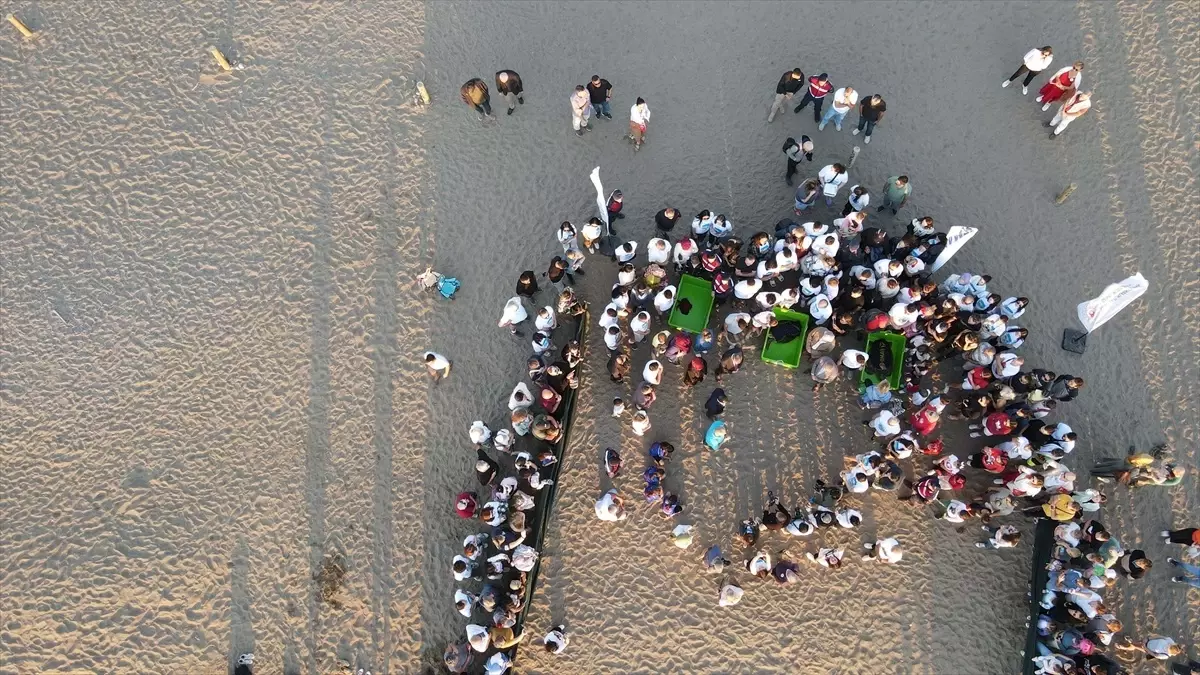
990 459
925 420
819 87
996 424
616 201
466 504
1060 83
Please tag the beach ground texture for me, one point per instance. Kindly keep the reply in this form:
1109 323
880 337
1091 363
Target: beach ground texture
216 435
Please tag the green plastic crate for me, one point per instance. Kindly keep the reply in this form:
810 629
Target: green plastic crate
700 293
786 354
867 378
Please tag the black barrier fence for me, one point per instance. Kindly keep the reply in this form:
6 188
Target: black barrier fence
541 512
1043 545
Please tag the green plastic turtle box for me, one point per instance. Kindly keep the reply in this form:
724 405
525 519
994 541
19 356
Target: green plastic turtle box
786 354
885 359
693 304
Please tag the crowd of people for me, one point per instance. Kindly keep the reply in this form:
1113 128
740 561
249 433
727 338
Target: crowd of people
514 466
852 278
593 99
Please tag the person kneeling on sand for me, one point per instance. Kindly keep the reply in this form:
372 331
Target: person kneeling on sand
610 507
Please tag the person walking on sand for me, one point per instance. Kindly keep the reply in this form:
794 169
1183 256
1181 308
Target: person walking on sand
788 85
796 152
581 110
819 87
870 113
639 117
600 96
832 178
1034 62
437 365
844 100
1071 109
508 83
555 641
474 93
1060 83
895 193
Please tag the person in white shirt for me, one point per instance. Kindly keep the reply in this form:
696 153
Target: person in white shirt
581 110
884 423
437 365
641 422
639 325
612 338
653 372
610 507
658 251
844 100
685 250
886 551
555 641
1034 62
639 116
545 321
736 324
664 300
820 309
848 518
832 178
858 200
514 313
611 316
1071 110
747 289
853 359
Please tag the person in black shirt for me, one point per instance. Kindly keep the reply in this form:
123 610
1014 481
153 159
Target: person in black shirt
789 84
600 90
508 83
664 221
870 113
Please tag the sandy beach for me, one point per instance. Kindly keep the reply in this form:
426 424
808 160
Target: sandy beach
216 434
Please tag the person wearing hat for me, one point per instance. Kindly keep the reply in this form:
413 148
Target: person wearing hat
789 83
474 93
508 83
1035 61
819 87
696 370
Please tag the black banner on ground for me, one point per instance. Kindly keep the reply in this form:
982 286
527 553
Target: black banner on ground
1043 545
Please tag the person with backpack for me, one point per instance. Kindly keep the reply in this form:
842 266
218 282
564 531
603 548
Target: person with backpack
795 152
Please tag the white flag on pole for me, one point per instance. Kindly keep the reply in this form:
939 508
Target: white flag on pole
601 202
955 238
1094 313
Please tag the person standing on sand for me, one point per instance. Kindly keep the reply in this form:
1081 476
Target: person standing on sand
895 193
788 85
639 117
796 152
600 96
832 178
1034 62
1071 109
844 100
437 365
508 83
819 87
1060 83
870 113
474 93
581 110
664 222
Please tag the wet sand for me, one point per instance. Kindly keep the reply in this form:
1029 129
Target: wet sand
209 369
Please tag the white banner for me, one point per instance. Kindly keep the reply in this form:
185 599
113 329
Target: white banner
1094 313
601 203
955 238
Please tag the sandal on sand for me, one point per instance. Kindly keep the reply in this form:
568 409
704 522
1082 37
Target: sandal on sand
246 659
